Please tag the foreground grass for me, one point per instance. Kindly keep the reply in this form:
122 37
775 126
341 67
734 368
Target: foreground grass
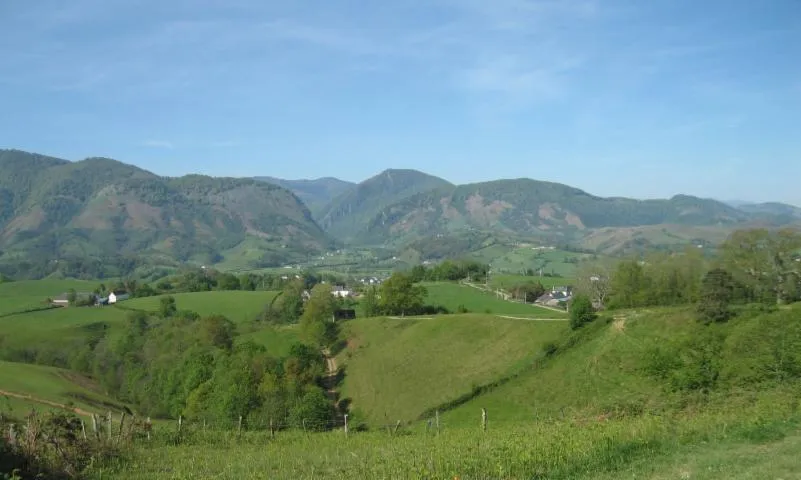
396 369
641 447
453 295
238 306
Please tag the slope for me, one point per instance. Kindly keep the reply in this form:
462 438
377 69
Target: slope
27 387
120 216
398 368
315 193
346 215
651 361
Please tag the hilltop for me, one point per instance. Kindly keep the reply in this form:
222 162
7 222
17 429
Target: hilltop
107 217
347 214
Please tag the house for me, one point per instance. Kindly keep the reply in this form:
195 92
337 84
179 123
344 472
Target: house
344 314
60 300
556 296
115 297
341 292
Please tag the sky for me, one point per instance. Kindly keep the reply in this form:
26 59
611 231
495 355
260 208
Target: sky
635 98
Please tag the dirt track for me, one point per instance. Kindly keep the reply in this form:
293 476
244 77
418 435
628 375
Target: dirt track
75 410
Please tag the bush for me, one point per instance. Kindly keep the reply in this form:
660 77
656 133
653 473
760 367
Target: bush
549 348
581 312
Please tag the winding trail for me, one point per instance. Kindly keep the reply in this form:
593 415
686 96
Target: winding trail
75 410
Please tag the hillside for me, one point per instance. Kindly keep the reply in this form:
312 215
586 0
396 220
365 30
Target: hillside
346 215
315 193
398 368
651 360
549 211
106 217
24 387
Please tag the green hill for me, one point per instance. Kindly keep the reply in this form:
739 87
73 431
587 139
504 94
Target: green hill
100 217
347 214
21 296
396 369
653 361
316 193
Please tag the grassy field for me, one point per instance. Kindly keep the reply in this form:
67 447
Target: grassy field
452 295
47 384
57 327
238 306
277 340
554 262
25 295
396 369
751 443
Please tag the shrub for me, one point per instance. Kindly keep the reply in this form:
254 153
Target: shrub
581 312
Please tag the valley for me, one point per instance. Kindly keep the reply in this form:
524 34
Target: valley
399 327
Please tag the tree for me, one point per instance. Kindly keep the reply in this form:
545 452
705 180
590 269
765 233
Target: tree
765 262
717 293
167 307
316 323
227 281
400 295
581 311
72 296
218 331
370 302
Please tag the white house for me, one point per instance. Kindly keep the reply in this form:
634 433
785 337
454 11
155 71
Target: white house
117 297
341 292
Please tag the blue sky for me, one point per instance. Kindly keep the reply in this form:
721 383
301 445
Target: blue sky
632 98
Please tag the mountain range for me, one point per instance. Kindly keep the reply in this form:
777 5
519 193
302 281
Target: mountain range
100 210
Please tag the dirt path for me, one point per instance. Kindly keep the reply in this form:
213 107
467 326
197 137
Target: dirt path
75 410
533 319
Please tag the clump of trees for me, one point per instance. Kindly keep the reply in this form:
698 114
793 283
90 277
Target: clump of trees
752 266
450 270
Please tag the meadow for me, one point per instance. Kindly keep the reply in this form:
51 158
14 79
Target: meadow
238 306
454 295
16 297
57 328
398 368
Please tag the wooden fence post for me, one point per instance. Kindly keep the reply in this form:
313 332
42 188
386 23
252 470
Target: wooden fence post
94 426
397 426
148 427
346 424
12 435
83 428
110 422
304 425
122 423
239 427
180 422
484 419
437 419
272 428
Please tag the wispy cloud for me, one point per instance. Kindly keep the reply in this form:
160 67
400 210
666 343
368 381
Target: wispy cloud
158 144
